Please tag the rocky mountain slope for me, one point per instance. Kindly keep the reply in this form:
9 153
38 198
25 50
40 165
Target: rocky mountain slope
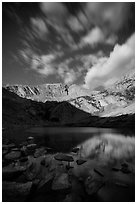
48 92
113 101
22 111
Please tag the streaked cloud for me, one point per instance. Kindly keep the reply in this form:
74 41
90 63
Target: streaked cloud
71 43
55 11
43 64
110 16
75 24
39 27
95 36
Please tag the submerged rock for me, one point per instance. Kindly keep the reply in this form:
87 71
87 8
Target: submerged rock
125 170
64 157
61 182
121 184
99 171
80 161
115 169
75 149
124 165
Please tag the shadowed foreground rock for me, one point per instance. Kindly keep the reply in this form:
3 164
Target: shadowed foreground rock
13 191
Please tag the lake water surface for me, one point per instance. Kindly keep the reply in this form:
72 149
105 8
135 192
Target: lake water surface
89 140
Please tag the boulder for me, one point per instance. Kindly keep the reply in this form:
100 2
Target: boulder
61 182
15 192
93 184
48 178
30 140
50 150
9 146
31 146
11 172
24 150
31 171
15 149
68 198
4 152
24 159
13 155
23 144
39 152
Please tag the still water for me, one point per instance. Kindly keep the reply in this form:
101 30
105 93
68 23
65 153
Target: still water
89 140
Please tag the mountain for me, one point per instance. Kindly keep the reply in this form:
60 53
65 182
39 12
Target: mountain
21 111
115 100
48 92
17 111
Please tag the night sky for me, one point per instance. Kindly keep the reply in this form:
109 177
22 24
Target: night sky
90 44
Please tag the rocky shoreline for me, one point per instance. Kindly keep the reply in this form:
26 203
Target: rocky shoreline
35 173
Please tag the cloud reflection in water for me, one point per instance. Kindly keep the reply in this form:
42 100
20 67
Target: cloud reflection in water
109 146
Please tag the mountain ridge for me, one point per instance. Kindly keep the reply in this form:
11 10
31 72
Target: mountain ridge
114 100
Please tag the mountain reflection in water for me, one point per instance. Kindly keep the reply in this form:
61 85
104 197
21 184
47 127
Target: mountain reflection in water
109 146
105 144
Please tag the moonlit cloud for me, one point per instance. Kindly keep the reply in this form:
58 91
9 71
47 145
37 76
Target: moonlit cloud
96 36
108 70
75 24
110 16
43 64
39 27
68 76
55 11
